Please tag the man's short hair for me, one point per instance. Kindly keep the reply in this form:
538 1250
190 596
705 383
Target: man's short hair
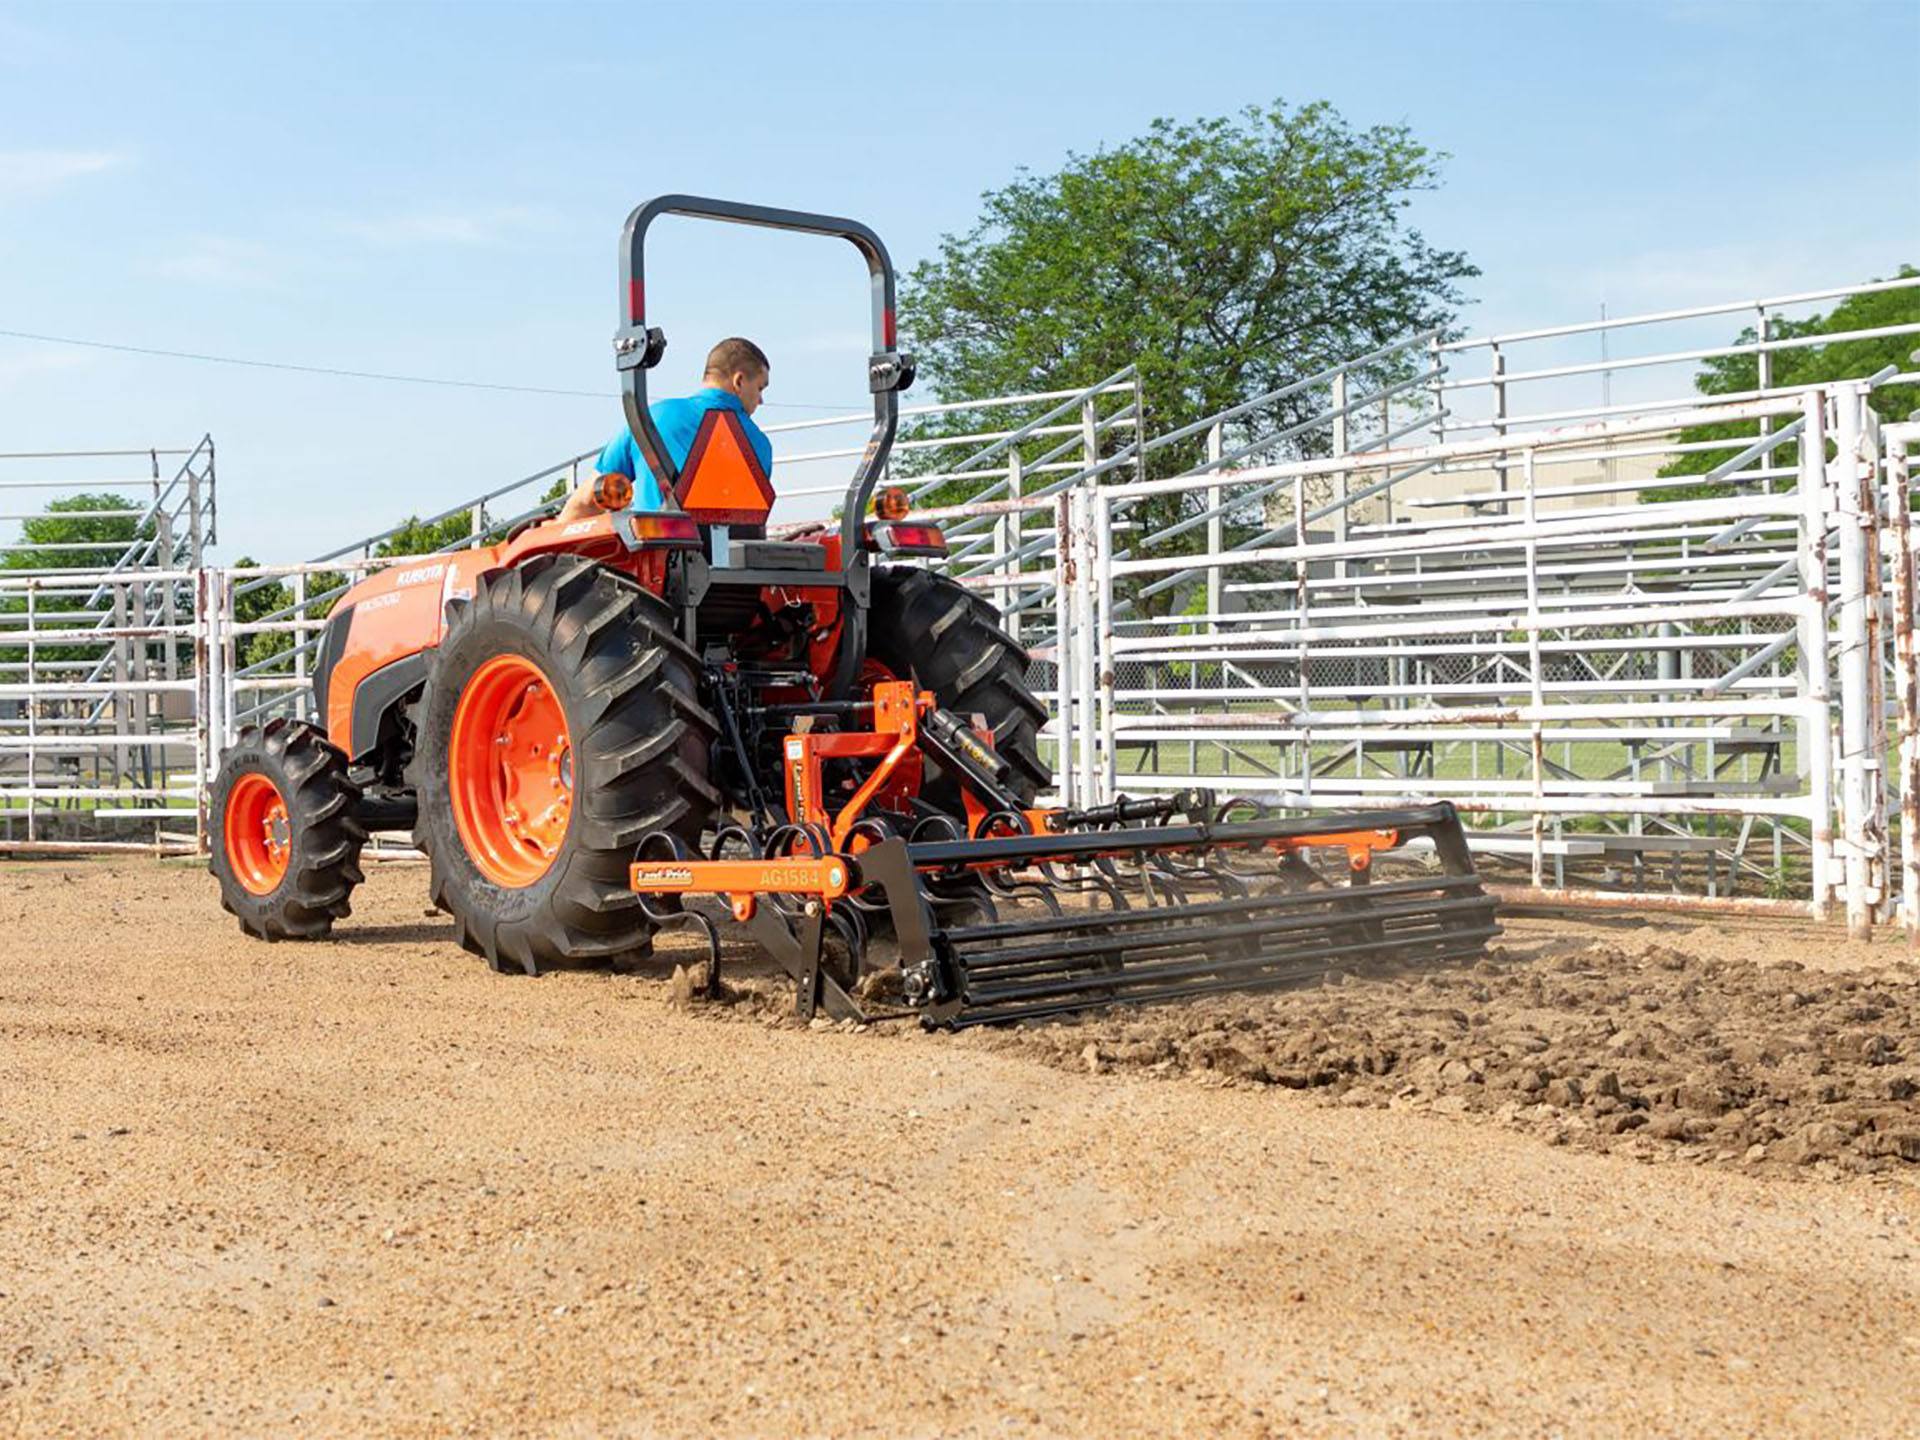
734 356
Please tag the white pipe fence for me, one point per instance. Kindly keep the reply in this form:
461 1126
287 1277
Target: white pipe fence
1364 587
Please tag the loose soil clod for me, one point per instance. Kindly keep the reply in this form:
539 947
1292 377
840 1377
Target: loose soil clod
1601 1044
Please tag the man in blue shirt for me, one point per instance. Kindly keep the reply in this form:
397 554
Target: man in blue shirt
736 377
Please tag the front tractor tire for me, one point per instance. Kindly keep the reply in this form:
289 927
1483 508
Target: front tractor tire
285 843
928 629
559 725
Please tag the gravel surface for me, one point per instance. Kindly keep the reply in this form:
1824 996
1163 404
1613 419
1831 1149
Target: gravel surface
369 1187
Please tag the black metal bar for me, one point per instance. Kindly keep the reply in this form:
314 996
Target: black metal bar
722 576
379 812
1108 988
1413 946
1161 914
1209 934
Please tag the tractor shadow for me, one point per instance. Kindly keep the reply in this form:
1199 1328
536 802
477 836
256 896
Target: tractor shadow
417 932
739 957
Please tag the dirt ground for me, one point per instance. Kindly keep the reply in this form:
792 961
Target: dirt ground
1634 1177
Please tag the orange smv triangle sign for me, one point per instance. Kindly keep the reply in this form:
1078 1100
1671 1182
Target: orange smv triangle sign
722 482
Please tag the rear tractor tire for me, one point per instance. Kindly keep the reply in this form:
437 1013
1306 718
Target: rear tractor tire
286 846
560 724
930 630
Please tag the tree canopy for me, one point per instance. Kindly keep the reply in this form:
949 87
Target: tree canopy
1224 257
1804 365
413 537
74 520
103 539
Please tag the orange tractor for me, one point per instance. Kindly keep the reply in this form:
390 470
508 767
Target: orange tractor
602 728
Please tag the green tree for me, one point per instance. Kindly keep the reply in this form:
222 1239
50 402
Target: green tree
1224 257
102 540
76 520
274 602
417 537
1801 365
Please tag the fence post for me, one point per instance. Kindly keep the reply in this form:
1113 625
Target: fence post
212 535
202 703
1860 760
1063 665
1084 642
1102 537
299 638
1010 540
1537 687
142 697
122 762
196 543
1763 359
1906 682
1500 417
32 704
1875 602
169 601
1340 447
1386 429
1813 746
1302 607
1216 525
230 676
1139 427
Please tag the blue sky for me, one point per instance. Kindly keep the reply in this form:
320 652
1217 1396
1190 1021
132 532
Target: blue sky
438 190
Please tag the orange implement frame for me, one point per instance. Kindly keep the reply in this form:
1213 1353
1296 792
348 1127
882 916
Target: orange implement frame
895 734
743 881
897 712
1361 845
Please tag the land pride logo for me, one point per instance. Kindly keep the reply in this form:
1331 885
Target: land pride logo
662 875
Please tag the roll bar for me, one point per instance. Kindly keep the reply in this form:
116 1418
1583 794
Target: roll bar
637 347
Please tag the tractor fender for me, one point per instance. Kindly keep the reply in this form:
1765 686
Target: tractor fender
391 621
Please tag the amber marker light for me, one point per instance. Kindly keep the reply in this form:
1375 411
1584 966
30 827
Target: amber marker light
891 503
613 492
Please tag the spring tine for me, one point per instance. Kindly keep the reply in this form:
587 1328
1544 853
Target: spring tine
1017 890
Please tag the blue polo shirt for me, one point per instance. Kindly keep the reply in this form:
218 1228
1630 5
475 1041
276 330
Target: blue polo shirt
678 421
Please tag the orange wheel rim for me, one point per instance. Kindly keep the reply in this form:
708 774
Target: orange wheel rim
510 769
257 834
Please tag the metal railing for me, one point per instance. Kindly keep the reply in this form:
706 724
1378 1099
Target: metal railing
98 735
1362 586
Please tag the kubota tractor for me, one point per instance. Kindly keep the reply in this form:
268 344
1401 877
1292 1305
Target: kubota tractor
590 724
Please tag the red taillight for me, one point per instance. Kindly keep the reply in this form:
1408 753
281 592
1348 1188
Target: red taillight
668 531
906 539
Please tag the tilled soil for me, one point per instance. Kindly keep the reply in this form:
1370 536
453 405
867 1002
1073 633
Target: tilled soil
1650 1044
367 1187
